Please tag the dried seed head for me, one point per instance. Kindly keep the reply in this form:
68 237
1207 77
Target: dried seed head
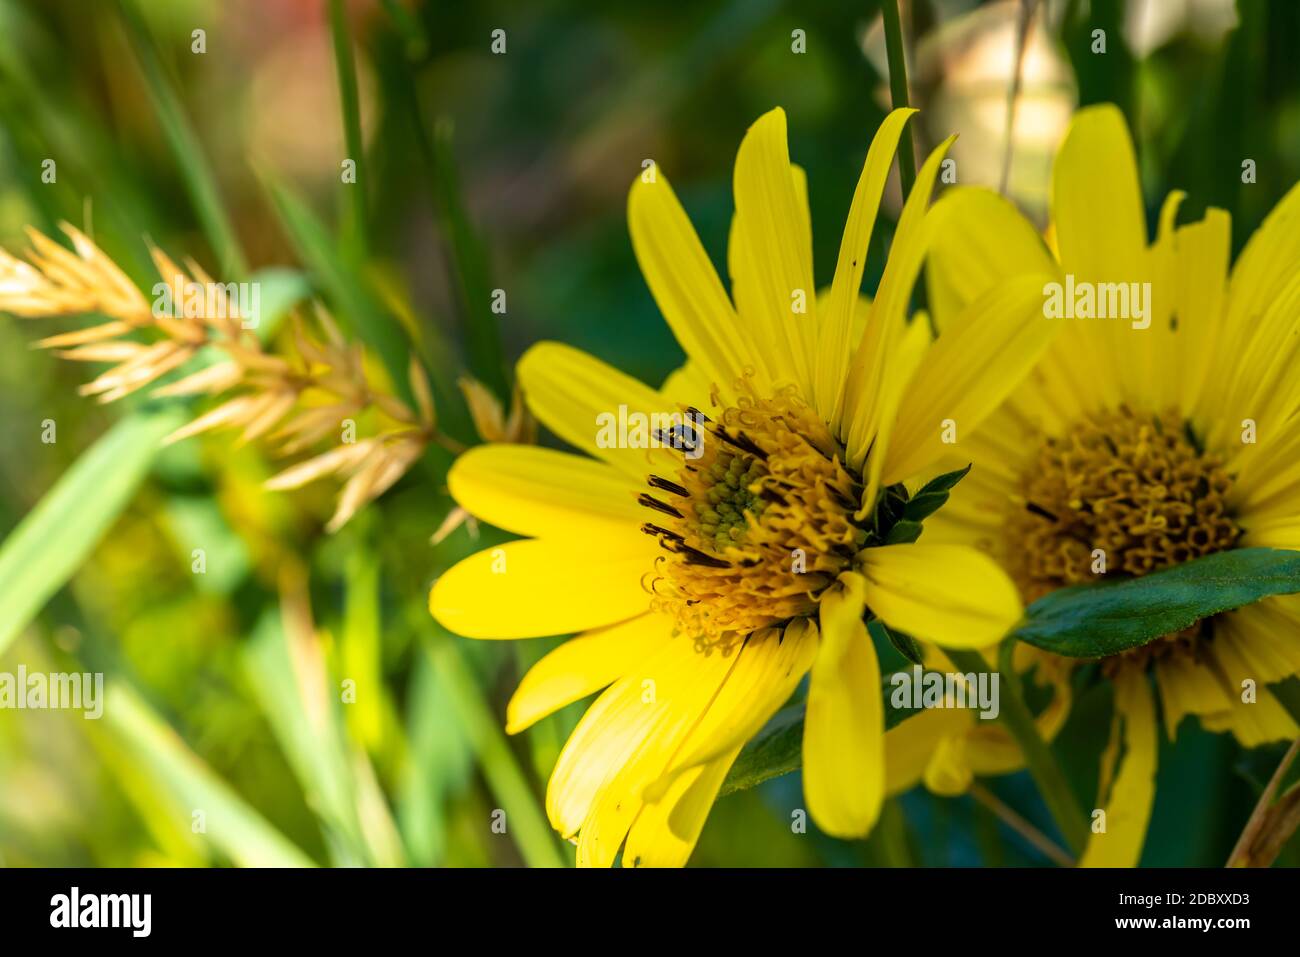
55 281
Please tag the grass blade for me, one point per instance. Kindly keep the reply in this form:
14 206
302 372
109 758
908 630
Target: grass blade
526 822
355 305
482 337
440 764
290 678
184 144
231 826
357 220
53 540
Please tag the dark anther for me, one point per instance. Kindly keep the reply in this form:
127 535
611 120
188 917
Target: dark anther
843 500
742 442
1039 510
667 486
696 557
649 501
675 439
658 532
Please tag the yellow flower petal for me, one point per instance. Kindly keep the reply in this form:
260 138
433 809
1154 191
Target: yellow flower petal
980 240
541 587
867 390
615 727
1097 204
684 282
949 773
1256 644
769 667
1267 487
688 385
573 394
541 492
1187 686
967 373
1095 170
1202 250
910 746
1261 641
835 339
802 223
948 594
1128 803
844 726
1260 378
624 743
1254 723
1266 264
771 253
665 832
583 666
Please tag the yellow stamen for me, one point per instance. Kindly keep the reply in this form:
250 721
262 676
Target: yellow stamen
1125 492
757 525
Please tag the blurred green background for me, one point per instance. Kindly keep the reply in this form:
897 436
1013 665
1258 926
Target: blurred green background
484 171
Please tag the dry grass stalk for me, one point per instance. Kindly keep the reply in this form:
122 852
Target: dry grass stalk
294 402
493 424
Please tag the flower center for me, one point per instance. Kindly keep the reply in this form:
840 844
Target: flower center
757 522
1123 493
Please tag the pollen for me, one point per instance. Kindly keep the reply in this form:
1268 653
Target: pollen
1121 493
756 524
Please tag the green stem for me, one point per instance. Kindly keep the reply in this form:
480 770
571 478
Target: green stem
1018 824
1042 765
408 27
482 337
1023 19
889 839
898 89
525 821
184 144
486 358
350 103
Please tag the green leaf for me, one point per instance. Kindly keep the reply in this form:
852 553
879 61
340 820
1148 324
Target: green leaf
279 290
903 533
931 496
355 304
898 516
349 101
292 683
440 766
482 337
360 648
232 826
778 748
57 536
184 143
528 825
905 644
1093 621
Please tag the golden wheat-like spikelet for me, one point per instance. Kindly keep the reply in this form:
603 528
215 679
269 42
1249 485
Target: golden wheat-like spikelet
493 424
266 390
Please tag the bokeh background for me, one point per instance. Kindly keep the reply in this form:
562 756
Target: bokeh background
483 171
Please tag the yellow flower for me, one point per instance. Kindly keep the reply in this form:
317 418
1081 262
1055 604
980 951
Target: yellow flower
1139 441
709 572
